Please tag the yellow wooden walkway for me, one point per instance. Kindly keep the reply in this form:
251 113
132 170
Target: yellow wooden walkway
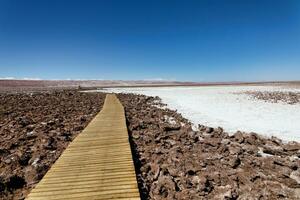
97 164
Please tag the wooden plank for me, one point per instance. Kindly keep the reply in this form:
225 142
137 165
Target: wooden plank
97 164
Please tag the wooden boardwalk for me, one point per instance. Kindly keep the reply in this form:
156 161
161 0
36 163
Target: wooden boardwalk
97 164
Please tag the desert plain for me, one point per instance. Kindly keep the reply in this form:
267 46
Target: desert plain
189 140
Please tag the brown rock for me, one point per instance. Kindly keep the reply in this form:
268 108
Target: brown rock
209 130
239 137
292 146
234 162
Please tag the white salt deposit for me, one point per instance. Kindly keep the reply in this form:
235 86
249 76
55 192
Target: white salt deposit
170 120
219 106
262 154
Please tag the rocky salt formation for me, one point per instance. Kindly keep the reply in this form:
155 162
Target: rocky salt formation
276 97
173 161
35 128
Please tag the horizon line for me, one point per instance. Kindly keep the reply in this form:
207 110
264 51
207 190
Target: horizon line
145 80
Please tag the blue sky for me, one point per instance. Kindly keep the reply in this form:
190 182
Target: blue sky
132 40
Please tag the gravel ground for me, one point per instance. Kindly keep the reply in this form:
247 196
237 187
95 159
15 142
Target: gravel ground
35 128
276 97
173 161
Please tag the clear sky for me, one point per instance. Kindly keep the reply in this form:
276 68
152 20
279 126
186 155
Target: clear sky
184 40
